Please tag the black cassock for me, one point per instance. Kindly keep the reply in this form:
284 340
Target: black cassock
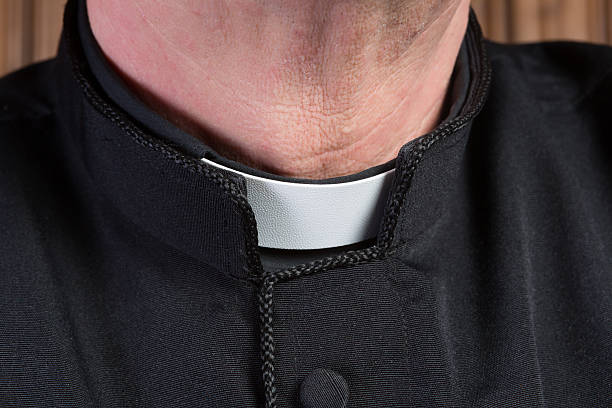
130 274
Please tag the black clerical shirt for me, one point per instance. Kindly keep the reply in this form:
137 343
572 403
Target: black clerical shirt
130 274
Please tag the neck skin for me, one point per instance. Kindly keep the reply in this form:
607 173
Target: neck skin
300 88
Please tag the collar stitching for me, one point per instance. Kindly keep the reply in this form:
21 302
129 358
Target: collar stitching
382 248
227 184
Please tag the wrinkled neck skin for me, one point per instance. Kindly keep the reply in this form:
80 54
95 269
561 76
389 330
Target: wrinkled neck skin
300 88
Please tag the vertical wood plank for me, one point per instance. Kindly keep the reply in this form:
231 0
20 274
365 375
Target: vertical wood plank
597 15
608 20
29 29
499 20
608 5
3 38
47 27
524 20
574 20
16 33
551 27
480 8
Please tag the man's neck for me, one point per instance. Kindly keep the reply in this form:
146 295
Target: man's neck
302 88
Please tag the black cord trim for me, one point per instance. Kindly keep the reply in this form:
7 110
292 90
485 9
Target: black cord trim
267 280
383 248
228 185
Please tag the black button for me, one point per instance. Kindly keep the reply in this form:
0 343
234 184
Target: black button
324 389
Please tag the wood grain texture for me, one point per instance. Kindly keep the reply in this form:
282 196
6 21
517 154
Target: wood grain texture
597 21
525 21
481 8
499 20
574 20
16 37
47 27
546 20
608 18
550 17
30 29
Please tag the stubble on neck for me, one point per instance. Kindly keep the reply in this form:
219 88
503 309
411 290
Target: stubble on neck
305 88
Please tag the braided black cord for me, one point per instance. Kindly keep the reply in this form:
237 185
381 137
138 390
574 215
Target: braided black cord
380 250
267 281
267 339
227 184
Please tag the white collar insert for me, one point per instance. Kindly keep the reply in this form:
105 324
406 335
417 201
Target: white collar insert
314 216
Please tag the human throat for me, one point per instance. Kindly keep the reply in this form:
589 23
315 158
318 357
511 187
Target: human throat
318 90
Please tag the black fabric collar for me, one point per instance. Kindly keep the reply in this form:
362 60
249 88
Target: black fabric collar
160 184
117 91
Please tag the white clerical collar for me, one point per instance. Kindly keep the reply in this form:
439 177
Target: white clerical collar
314 216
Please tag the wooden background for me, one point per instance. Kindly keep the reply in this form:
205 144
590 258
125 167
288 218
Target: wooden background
29 29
